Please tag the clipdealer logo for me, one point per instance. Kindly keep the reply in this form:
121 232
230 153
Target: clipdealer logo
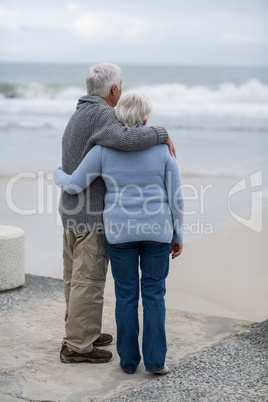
255 220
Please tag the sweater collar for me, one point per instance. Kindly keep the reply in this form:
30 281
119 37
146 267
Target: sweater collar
91 99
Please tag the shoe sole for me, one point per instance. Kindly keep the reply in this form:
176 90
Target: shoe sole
83 360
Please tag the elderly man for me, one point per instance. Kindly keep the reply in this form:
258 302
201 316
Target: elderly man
84 253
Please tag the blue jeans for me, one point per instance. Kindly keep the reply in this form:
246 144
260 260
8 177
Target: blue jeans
154 264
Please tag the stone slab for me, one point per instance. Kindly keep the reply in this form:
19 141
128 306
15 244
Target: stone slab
11 257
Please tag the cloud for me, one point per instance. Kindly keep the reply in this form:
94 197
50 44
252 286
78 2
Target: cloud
90 25
17 20
10 19
130 27
72 7
97 27
240 38
150 31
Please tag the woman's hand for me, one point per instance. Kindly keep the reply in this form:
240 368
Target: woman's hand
176 249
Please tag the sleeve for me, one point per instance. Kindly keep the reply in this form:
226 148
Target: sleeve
175 197
109 132
88 170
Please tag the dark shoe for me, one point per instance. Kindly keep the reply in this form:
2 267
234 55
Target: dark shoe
129 371
94 356
103 340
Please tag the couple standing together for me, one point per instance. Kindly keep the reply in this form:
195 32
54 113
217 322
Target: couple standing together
118 175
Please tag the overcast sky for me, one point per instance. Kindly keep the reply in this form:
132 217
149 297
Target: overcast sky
200 32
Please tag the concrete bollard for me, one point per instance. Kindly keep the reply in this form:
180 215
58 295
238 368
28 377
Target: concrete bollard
11 257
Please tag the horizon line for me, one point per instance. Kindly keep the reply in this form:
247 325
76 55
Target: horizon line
158 64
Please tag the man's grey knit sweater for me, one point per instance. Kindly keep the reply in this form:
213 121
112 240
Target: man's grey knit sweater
94 122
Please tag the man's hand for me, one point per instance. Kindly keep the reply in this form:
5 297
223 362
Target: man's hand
176 249
171 147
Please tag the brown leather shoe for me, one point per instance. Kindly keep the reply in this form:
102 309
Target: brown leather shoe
103 340
94 356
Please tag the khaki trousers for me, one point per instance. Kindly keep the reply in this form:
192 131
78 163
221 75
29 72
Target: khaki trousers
85 261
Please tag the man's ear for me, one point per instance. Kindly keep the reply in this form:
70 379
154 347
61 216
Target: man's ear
114 89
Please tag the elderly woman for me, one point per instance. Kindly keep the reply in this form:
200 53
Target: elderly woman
142 220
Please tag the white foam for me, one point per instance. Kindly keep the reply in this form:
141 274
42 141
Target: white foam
51 106
37 90
247 100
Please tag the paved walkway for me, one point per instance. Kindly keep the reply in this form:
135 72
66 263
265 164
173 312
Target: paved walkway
211 358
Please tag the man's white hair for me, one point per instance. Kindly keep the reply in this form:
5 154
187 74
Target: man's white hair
101 78
133 109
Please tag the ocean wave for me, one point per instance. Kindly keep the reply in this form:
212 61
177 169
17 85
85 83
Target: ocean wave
249 99
251 91
225 100
30 124
221 126
51 122
216 174
38 90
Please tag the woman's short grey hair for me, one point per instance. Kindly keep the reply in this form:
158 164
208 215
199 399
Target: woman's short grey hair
101 78
133 109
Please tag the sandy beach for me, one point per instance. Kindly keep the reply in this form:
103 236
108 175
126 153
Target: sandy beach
223 274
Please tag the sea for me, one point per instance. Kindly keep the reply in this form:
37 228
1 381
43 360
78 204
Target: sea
216 116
